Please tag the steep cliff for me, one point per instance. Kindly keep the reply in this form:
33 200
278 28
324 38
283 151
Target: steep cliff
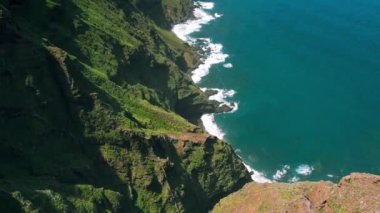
167 12
354 193
91 99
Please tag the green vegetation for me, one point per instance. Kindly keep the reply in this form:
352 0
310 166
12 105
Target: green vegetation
93 98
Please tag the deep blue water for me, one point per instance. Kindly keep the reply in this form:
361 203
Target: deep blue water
307 76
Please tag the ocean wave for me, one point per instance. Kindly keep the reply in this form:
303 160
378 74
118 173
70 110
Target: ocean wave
222 95
304 169
214 54
201 17
281 173
211 127
228 65
294 179
211 52
257 176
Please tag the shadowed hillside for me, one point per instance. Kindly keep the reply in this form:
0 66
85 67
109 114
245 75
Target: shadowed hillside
95 104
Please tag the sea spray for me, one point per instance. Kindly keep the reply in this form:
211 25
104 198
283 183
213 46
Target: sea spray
209 123
281 172
256 175
304 169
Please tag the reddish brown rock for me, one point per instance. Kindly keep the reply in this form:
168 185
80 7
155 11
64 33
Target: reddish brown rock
354 193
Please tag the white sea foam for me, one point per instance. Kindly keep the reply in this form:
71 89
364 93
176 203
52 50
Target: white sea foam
209 124
281 172
205 5
215 56
222 95
294 179
183 30
211 54
304 169
201 17
217 15
228 65
256 175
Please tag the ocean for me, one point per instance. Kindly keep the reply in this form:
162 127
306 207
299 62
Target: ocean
303 78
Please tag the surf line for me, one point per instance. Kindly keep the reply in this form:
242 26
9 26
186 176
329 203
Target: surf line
211 54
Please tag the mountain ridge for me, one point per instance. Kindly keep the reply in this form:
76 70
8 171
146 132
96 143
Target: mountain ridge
95 109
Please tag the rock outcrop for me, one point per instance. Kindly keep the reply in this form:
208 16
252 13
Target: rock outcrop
354 193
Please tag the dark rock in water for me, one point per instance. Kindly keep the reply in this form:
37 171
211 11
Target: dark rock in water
225 108
211 92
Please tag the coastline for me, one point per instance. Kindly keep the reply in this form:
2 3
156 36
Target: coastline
211 54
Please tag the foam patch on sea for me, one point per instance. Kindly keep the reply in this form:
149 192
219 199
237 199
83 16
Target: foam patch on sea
228 65
304 169
294 179
221 96
291 175
213 55
257 176
201 17
281 172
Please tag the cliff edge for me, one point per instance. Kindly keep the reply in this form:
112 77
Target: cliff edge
354 193
98 112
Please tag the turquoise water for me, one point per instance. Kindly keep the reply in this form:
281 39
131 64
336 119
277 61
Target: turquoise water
307 76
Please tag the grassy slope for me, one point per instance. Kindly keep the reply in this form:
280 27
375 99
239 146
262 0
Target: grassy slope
89 91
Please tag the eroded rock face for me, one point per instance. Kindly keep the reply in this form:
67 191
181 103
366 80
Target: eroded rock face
354 193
